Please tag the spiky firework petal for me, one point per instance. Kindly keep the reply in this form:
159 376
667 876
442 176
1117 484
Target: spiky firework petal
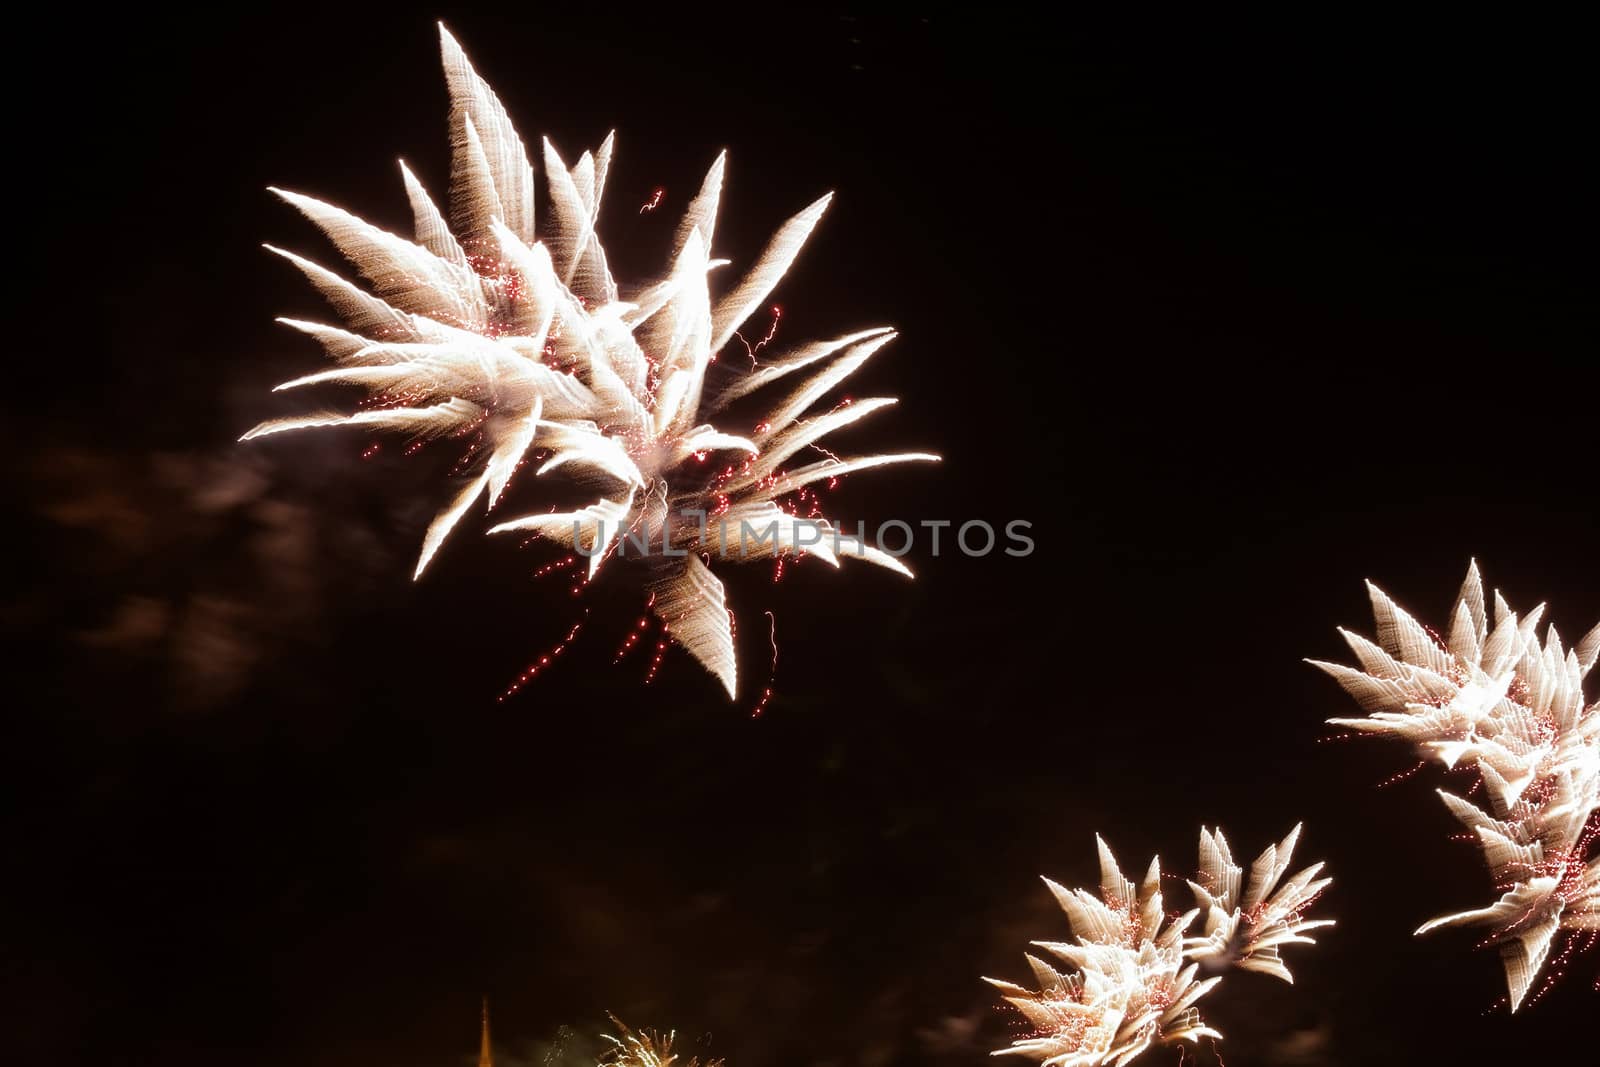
1497 700
484 324
1247 931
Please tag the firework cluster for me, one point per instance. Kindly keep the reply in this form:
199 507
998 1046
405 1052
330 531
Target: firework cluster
524 346
1498 703
646 1048
1135 974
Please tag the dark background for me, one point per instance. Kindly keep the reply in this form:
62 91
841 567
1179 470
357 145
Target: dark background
1237 314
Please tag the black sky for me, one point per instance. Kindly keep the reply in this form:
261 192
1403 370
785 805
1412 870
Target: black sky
1236 314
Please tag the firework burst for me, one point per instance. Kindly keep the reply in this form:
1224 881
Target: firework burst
525 345
1501 703
646 1048
1133 975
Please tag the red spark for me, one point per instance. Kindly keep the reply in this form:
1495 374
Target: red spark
655 200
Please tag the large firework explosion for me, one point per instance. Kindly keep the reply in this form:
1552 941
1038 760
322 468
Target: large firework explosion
1508 708
525 346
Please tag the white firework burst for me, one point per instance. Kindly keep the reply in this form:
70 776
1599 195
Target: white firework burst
1133 978
1501 702
479 327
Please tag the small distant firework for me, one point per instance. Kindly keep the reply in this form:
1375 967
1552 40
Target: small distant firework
1134 976
646 1048
481 332
1510 709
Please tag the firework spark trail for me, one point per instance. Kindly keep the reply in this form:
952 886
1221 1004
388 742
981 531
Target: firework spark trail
479 328
751 350
1403 776
538 665
766 693
661 653
1500 703
1132 979
634 633
556 565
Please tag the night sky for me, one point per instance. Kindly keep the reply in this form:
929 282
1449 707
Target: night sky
1237 315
